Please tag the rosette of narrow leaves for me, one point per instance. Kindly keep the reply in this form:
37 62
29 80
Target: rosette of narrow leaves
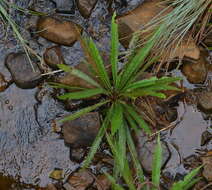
118 91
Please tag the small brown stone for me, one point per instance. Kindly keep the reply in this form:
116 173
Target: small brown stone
137 18
205 101
196 71
57 31
53 56
134 20
82 131
86 6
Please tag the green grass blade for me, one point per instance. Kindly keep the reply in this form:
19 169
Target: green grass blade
101 70
131 122
64 86
162 87
115 186
97 140
144 92
133 152
126 172
177 186
78 73
142 83
191 175
83 111
121 146
133 113
152 81
114 49
117 118
81 94
156 166
133 67
192 183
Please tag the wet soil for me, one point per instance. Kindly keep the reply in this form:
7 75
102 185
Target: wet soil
30 149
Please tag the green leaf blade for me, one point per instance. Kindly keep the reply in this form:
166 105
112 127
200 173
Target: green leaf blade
133 113
78 73
114 49
83 111
97 140
81 94
117 118
156 165
101 70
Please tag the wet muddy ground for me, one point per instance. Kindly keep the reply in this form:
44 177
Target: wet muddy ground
29 146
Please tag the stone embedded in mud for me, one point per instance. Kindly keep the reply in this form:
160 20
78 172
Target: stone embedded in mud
136 19
3 83
205 101
196 71
207 162
81 132
85 7
81 180
53 56
22 72
57 31
145 149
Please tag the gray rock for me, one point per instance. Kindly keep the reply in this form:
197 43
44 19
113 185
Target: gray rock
81 132
22 72
145 149
86 6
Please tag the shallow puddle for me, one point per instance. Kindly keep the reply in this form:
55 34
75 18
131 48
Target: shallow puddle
186 136
29 148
